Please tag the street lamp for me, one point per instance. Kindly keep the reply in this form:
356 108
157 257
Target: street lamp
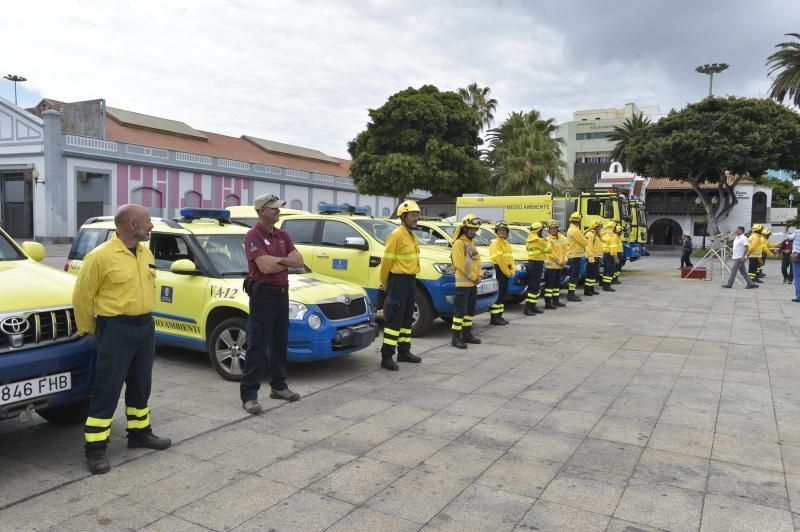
710 70
791 199
16 79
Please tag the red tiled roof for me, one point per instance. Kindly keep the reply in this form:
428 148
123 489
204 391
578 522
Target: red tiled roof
665 183
235 148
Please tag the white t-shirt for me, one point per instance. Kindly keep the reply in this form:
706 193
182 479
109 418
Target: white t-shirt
796 241
739 243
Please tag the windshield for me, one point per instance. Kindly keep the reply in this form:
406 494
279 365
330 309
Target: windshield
249 222
8 251
484 237
623 208
517 236
226 253
86 241
641 219
377 229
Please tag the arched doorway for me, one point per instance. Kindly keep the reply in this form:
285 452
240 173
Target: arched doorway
665 232
758 214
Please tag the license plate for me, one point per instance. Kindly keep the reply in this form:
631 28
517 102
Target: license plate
22 390
487 287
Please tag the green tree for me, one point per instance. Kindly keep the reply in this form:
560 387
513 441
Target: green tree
781 189
581 181
478 99
623 133
718 141
786 63
524 157
419 139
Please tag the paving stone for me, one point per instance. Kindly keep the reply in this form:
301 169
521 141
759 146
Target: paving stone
119 514
400 417
683 440
302 511
619 525
494 434
306 467
755 453
21 480
759 486
555 446
235 503
361 409
612 457
146 470
316 428
481 508
460 461
476 405
698 418
722 514
366 520
524 475
417 496
257 454
171 523
551 516
793 486
660 506
679 470
445 425
358 480
590 490
358 439
521 412
570 421
407 449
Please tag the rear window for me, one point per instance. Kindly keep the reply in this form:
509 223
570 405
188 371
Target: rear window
8 251
87 240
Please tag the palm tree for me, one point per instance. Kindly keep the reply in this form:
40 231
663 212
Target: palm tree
623 133
478 98
524 157
786 63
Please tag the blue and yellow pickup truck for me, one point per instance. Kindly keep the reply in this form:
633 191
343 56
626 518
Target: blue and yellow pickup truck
44 365
201 305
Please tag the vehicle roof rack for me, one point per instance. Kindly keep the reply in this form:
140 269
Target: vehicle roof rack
190 214
344 208
166 221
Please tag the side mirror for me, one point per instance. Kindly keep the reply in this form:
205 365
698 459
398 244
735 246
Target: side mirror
34 250
441 242
183 267
356 242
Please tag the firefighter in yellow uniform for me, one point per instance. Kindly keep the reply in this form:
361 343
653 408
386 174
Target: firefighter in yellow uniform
576 250
765 252
619 254
609 265
594 254
467 264
555 261
754 253
537 247
503 260
399 269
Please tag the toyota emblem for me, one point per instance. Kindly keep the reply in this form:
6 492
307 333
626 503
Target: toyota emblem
14 325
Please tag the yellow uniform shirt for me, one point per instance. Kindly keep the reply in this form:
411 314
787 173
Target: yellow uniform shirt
400 254
537 247
501 255
467 262
754 245
594 246
765 246
114 282
617 243
557 257
576 242
608 241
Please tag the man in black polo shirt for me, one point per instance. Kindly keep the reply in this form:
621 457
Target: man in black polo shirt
270 254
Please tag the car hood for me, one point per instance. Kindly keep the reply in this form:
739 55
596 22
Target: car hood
306 288
26 284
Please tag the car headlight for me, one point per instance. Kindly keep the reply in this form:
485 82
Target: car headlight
297 311
444 268
522 266
314 321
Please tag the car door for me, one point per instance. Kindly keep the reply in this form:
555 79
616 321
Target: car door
302 233
179 299
332 256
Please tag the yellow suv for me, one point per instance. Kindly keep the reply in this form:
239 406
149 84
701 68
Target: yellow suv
350 247
201 305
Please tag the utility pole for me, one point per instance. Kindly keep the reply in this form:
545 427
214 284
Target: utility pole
710 70
16 79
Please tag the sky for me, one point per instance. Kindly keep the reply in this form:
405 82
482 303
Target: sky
307 72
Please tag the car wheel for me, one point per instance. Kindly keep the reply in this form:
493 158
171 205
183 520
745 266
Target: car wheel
69 414
423 313
227 347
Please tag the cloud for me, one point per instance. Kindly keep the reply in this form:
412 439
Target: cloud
307 72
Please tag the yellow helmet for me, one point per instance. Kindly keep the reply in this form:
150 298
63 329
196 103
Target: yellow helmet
575 217
501 225
766 232
757 228
471 220
611 226
593 225
407 206
552 223
537 226
618 229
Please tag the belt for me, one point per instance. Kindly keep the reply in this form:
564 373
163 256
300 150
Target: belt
402 275
142 319
268 289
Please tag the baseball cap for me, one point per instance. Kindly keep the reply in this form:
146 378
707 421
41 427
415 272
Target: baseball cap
268 200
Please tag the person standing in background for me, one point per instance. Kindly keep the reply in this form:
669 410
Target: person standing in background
785 250
740 250
686 251
796 265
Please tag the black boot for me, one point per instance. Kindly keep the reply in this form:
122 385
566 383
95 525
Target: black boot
496 319
588 291
98 464
558 303
468 337
530 308
615 281
607 288
572 297
457 341
387 362
548 304
147 440
536 310
505 321
408 356
595 290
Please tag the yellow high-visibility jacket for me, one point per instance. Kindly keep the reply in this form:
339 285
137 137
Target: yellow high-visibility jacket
607 238
557 257
576 242
594 246
616 246
467 262
765 247
537 247
400 254
502 255
754 245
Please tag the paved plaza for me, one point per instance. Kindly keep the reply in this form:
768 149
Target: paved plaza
669 405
